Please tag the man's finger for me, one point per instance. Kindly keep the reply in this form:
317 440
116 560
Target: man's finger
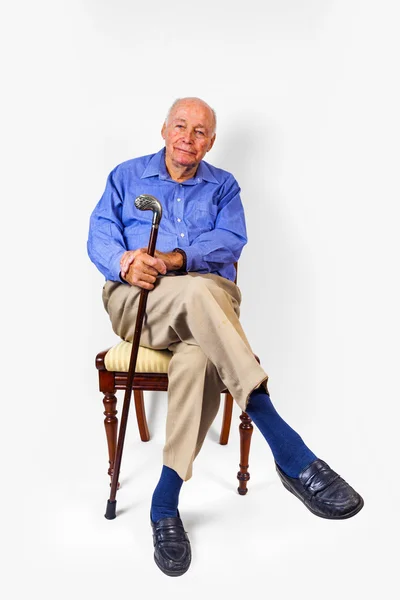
150 271
143 269
125 264
156 263
128 258
143 281
146 286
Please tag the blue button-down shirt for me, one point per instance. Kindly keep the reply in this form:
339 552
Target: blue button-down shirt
203 215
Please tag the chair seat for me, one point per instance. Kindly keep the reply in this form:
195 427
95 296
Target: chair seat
148 360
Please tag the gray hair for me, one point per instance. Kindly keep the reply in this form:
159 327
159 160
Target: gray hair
214 114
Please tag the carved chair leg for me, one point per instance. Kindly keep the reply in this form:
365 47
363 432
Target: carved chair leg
111 427
245 430
141 416
226 420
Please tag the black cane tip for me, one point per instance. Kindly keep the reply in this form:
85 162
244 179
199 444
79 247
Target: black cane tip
111 509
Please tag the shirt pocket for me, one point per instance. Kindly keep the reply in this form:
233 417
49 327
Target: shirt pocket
203 217
136 235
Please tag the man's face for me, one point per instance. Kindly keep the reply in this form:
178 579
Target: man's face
188 134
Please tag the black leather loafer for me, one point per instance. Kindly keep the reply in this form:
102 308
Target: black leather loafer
171 546
323 491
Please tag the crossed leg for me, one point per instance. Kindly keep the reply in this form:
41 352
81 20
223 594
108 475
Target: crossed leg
194 392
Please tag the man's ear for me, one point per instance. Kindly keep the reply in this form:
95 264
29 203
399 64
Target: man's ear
163 128
212 142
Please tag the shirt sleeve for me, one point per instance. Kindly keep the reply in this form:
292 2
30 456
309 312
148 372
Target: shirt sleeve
211 250
106 242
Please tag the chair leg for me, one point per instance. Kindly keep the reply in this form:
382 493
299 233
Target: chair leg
111 427
226 420
245 430
141 416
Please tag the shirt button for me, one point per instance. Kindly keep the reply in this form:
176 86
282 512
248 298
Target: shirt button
178 199
179 220
182 235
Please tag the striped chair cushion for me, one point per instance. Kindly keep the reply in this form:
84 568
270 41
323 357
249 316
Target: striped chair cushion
148 361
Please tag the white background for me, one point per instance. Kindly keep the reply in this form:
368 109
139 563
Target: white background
307 98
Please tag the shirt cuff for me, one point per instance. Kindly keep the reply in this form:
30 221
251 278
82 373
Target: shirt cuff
115 270
194 259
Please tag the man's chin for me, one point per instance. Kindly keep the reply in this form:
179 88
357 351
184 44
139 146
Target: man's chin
185 159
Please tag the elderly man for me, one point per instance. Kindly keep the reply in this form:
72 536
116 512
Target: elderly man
195 316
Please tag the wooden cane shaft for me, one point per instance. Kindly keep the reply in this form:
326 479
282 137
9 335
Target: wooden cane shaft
131 372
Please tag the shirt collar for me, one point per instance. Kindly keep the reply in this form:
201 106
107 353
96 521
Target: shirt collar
204 173
156 167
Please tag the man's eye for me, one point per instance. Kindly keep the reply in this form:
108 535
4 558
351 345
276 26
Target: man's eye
200 133
179 126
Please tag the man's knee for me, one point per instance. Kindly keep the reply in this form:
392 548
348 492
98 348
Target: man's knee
203 285
190 354
189 360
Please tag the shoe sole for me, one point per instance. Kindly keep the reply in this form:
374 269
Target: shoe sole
338 518
171 573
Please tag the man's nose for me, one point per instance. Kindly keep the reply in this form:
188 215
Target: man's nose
188 136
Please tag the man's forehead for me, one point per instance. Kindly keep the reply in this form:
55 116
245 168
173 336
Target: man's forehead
192 111
180 118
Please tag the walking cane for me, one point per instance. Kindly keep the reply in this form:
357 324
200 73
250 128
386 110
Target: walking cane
142 202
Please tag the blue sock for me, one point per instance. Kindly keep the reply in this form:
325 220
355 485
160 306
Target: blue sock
166 495
289 450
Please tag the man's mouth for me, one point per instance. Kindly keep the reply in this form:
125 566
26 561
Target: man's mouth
185 151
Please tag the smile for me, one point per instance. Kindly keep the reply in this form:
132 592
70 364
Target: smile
185 151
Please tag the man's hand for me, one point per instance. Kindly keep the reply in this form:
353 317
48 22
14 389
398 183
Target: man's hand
172 260
140 269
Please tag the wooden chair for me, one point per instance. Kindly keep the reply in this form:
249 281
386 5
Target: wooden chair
151 375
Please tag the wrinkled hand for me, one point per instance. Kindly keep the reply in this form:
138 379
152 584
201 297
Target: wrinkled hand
172 260
140 269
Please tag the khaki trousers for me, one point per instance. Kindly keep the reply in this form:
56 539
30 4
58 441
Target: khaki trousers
196 317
